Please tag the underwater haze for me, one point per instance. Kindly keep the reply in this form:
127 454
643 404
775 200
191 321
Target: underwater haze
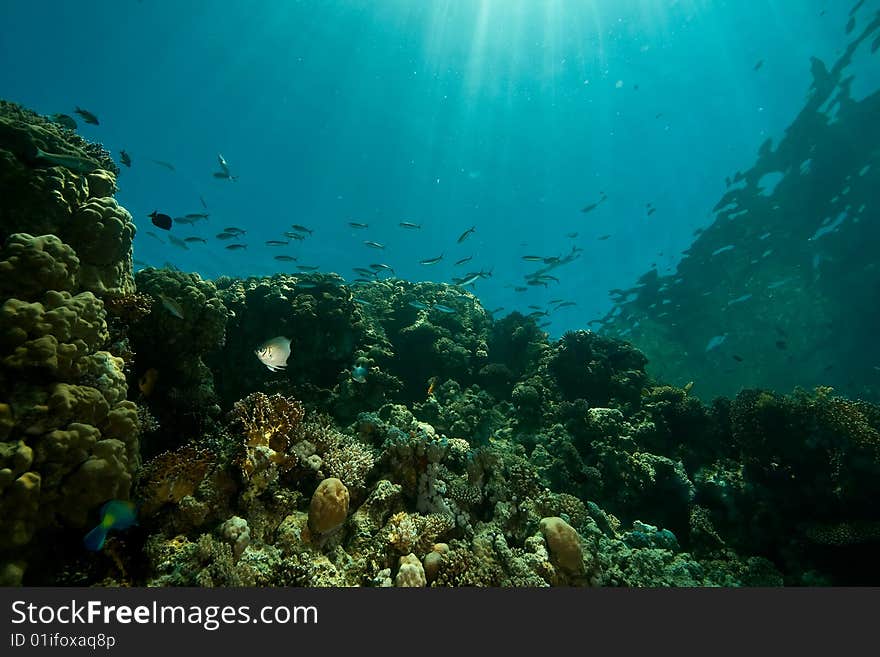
510 116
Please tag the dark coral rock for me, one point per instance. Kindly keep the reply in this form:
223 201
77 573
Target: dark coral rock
598 369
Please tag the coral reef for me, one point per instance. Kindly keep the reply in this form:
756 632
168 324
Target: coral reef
412 440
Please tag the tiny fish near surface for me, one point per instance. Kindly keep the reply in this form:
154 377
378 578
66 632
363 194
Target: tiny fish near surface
274 353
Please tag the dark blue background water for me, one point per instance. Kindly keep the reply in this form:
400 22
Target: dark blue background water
507 115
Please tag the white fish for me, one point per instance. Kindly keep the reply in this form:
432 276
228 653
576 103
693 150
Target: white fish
274 353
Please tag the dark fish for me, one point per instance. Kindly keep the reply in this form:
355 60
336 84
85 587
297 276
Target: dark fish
409 224
535 282
875 45
226 236
535 307
850 24
308 267
464 260
225 176
566 304
758 66
374 245
276 243
195 239
65 120
738 359
465 234
234 230
355 224
658 115
236 247
591 207
780 344
552 260
161 163
856 7
431 261
285 258
125 158
571 235
162 221
602 238
520 289
197 215
87 116
204 205
301 229
651 211
781 332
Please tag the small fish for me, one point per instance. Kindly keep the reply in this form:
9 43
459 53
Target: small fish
160 220
593 206
274 353
234 230
179 243
301 229
355 224
651 211
468 280
171 305
443 309
147 381
125 158
875 45
155 237
850 24
533 307
571 235
197 215
551 260
276 243
382 266
374 245
362 302
533 258
520 288
202 199
738 359
535 282
409 224
306 285
115 514
463 260
781 344
359 373
192 240
65 120
431 261
226 236
72 162
236 247
308 267
602 238
757 67
566 304
431 387
162 163
688 387
418 304
184 220
285 258
497 310
86 115
466 234
225 176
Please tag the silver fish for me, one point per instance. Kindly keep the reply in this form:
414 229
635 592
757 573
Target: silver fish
172 306
274 353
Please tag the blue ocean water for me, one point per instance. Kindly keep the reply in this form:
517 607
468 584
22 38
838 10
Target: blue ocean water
506 115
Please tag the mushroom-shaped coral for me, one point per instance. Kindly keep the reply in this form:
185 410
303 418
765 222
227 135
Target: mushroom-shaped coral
329 506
